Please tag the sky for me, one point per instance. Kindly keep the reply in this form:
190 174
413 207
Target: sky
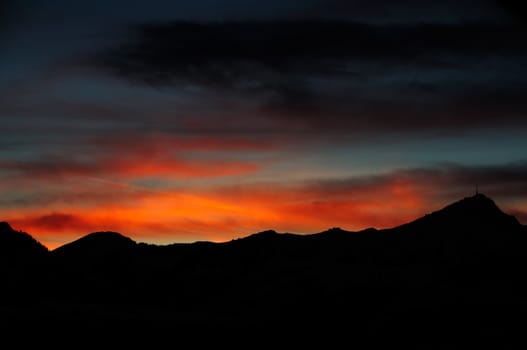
183 121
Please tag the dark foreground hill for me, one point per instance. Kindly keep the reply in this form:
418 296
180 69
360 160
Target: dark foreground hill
455 277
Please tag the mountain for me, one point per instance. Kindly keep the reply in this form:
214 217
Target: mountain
471 229
17 246
22 262
95 245
455 272
478 212
20 254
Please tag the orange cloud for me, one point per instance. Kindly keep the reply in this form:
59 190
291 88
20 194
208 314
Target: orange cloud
219 211
221 214
168 156
133 157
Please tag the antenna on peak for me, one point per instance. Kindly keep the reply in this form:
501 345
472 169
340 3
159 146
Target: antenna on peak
477 191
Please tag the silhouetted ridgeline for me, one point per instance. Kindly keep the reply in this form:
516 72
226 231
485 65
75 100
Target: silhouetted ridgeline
459 271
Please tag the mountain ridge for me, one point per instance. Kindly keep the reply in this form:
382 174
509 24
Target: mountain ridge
15 242
424 282
478 206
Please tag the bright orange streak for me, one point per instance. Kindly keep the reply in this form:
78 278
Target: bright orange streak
164 218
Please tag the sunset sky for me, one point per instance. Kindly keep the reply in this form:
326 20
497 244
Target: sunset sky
182 121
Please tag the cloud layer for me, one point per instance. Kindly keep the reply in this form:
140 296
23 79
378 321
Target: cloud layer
340 75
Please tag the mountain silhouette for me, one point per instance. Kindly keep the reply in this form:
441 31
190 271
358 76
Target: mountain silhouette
19 250
95 245
17 245
22 260
455 273
478 212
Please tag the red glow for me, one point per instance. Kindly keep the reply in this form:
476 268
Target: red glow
225 214
100 193
178 168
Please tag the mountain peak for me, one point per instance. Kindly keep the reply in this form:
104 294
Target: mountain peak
475 212
479 198
263 234
478 204
107 236
102 242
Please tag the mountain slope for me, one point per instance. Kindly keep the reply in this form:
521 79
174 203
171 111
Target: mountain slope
23 263
18 245
471 229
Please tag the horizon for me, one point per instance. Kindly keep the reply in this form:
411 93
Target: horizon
205 121
248 234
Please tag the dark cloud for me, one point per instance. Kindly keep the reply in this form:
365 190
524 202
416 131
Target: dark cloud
404 10
453 180
55 221
6 18
248 54
338 74
52 167
440 183
516 8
